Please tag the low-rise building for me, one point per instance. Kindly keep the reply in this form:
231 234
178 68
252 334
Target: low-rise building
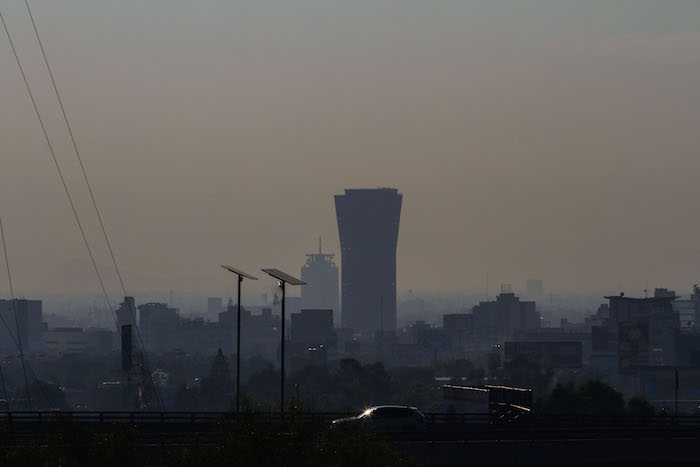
60 341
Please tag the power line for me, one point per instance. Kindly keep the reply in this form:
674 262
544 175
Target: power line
53 156
18 342
92 196
75 145
62 178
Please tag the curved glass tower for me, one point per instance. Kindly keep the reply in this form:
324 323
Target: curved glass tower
368 224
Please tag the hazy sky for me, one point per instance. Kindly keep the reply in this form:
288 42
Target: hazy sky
552 139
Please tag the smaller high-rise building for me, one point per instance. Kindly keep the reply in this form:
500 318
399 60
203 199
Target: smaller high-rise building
647 329
61 341
126 313
312 328
321 276
99 340
504 318
214 307
158 324
28 322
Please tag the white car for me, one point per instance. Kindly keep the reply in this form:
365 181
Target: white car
388 418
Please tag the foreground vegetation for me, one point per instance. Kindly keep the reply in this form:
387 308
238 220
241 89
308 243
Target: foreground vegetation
243 442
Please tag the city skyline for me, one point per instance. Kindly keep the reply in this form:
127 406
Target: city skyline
555 118
469 230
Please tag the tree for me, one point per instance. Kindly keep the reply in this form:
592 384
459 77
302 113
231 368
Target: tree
44 396
592 398
602 399
564 399
638 406
522 371
215 387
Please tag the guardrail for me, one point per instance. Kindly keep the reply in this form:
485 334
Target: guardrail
140 418
215 417
431 418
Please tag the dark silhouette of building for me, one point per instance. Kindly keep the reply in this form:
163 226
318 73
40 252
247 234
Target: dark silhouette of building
321 276
458 328
458 321
29 324
198 335
99 340
64 340
695 299
162 329
504 318
259 331
312 328
158 324
550 354
126 313
214 307
220 370
653 325
368 224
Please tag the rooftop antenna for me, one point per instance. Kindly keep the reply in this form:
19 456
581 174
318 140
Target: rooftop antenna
487 286
646 287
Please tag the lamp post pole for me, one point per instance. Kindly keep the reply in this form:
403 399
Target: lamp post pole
282 286
238 349
282 280
240 275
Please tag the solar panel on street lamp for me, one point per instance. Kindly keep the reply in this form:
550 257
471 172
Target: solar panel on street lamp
239 272
240 275
283 279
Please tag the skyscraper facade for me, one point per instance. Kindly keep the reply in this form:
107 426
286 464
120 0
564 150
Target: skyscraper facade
368 224
321 276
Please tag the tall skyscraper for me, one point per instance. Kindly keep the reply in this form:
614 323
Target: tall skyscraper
321 276
368 224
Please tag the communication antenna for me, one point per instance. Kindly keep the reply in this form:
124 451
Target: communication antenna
646 287
487 285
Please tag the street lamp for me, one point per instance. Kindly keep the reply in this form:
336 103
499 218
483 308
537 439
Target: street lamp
240 275
283 279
